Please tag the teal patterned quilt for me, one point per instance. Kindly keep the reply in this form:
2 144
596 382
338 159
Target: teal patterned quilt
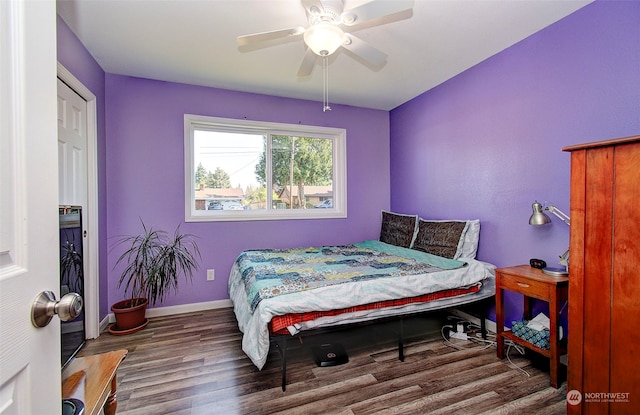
269 273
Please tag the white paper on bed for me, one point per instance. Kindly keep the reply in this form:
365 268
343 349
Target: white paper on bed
255 340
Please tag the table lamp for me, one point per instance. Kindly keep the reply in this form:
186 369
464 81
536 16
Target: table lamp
538 218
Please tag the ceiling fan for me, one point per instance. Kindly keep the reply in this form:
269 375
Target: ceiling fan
329 26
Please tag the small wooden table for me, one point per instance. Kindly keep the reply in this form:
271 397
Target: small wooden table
92 379
533 283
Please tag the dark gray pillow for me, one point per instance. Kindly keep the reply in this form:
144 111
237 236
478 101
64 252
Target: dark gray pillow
439 238
398 229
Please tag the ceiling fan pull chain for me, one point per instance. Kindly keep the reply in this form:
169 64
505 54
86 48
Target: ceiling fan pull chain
325 87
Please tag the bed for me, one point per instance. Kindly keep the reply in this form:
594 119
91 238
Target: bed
416 266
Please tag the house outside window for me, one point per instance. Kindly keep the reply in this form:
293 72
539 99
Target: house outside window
249 170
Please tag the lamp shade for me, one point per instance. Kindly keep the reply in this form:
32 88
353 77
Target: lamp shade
324 38
538 217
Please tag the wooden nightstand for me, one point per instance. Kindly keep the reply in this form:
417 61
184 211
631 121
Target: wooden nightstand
533 283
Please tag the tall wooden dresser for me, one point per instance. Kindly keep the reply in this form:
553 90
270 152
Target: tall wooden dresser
604 278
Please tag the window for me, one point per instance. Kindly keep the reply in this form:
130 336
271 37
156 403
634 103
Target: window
249 170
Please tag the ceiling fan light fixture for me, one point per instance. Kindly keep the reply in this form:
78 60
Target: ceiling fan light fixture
324 38
349 19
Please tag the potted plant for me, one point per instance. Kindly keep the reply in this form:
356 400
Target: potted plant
154 261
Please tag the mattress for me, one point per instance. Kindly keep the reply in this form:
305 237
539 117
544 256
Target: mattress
291 323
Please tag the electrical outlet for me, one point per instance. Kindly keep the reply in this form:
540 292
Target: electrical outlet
211 274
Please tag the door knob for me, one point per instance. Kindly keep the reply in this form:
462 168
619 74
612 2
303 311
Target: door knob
45 306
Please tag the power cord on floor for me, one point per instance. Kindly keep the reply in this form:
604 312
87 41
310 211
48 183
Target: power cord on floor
520 350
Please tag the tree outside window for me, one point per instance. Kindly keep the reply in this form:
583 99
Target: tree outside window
297 162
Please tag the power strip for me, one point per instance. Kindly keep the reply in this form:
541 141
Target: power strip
459 336
491 325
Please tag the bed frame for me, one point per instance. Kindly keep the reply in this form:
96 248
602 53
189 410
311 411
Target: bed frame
279 341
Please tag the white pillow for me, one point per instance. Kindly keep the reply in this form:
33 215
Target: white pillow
468 244
471 239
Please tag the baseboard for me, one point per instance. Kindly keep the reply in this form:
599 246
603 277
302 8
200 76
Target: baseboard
491 325
176 309
104 323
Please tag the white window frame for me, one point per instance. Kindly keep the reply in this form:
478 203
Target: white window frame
200 122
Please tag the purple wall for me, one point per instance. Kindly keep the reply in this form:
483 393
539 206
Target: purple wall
145 173
77 60
488 142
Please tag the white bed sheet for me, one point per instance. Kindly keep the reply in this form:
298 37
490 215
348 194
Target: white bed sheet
254 326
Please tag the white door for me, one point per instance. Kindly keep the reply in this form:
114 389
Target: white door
29 357
72 148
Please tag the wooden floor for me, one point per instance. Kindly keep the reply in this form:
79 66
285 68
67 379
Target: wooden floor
194 364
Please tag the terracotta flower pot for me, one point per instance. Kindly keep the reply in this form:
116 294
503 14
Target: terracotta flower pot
130 316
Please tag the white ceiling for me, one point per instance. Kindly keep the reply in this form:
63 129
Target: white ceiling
194 42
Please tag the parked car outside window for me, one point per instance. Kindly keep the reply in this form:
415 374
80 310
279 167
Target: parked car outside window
327 204
215 205
232 205
225 205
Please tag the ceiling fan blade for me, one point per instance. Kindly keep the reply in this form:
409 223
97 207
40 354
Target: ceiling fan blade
266 36
364 50
374 10
308 62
